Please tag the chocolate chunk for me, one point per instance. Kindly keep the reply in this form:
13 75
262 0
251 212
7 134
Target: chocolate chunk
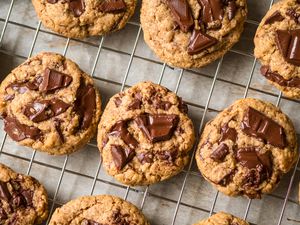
52 1
277 78
169 156
159 127
4 192
43 110
200 41
145 157
89 222
120 129
228 133
275 17
288 43
164 105
260 165
25 86
9 97
212 10
135 104
57 125
227 179
77 7
17 201
118 101
232 8
182 106
18 131
258 125
53 80
112 6
85 104
182 13
220 153
293 15
28 196
121 156
3 215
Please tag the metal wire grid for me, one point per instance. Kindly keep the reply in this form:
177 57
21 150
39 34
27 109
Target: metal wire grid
123 85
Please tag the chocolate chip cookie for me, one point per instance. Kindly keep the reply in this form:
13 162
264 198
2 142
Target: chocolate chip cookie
222 218
23 200
83 18
49 104
277 46
98 210
145 135
247 148
192 33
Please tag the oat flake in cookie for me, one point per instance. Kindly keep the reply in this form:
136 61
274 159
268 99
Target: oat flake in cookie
247 148
145 135
23 200
98 210
192 33
277 46
222 218
83 18
48 103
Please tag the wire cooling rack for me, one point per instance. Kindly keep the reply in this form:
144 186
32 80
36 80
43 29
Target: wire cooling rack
186 198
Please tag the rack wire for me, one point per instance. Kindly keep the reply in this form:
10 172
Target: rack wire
205 108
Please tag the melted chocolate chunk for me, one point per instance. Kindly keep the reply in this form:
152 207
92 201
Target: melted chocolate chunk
212 10
118 101
89 222
135 104
4 192
18 131
294 15
227 179
121 156
182 106
169 156
277 78
228 133
77 7
3 215
159 127
220 153
121 130
52 1
28 196
25 86
182 13
53 80
199 42
85 104
164 105
260 165
145 157
43 110
9 97
232 8
288 43
112 6
275 17
57 125
258 125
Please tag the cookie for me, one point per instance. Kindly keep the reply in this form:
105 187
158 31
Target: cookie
83 18
49 104
23 200
247 148
222 218
277 46
192 33
145 135
97 210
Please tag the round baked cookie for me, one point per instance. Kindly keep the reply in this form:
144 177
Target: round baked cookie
192 33
145 135
277 46
96 210
23 200
49 104
247 148
83 18
222 218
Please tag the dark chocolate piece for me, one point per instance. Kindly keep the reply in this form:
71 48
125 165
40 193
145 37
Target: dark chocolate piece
43 110
199 42
120 129
77 7
288 43
135 104
159 127
212 10
25 86
112 6
182 106
232 8
89 222
228 133
57 125
275 17
256 124
169 156
182 13
118 101
220 152
18 131
145 157
4 192
121 156
52 1
277 78
53 80
294 15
